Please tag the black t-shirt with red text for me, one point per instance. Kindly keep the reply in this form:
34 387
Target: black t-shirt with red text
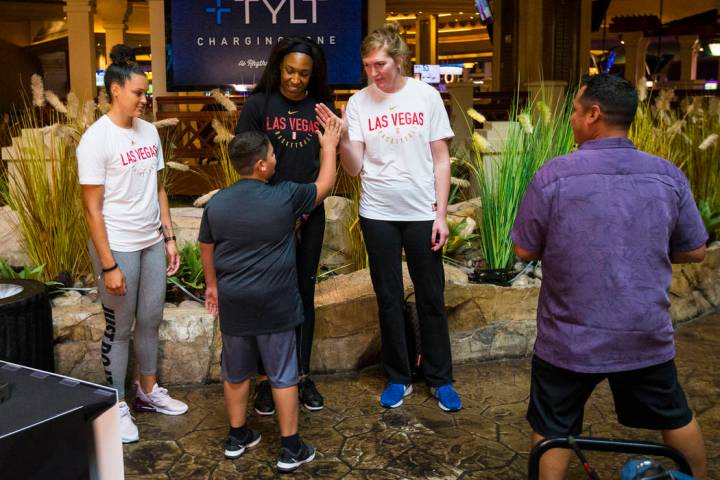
291 127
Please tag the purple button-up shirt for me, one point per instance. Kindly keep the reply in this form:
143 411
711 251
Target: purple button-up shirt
606 218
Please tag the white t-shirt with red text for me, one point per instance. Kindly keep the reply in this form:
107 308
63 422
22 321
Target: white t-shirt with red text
398 181
126 162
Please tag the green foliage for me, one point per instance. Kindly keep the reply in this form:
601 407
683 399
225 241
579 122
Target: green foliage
460 235
190 274
536 134
43 188
711 218
687 136
27 273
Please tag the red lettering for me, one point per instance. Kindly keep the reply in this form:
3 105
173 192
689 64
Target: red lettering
421 118
385 121
123 162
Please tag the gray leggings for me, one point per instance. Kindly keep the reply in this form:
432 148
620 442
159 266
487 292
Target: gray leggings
145 273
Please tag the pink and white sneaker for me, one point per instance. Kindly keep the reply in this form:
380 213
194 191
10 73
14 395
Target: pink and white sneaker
157 401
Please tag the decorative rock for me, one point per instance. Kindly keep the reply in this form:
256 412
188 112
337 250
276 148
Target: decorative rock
170 305
522 281
186 335
338 217
10 238
186 224
537 273
332 260
457 212
486 322
68 298
191 304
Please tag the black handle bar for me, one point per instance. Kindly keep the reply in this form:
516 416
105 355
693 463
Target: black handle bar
606 445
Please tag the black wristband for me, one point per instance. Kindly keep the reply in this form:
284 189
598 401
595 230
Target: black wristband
171 237
110 269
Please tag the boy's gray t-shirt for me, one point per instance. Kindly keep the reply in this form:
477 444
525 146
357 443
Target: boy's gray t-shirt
252 225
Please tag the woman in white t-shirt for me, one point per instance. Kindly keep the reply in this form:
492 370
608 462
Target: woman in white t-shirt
131 233
396 137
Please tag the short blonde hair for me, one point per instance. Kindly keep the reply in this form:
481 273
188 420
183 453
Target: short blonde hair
389 38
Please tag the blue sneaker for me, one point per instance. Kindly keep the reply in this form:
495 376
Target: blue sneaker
448 399
393 395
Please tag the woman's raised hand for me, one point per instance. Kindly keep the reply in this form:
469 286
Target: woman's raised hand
324 115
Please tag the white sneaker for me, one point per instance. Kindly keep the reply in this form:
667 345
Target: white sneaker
128 430
157 401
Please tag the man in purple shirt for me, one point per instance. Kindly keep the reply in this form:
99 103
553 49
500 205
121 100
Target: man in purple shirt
607 221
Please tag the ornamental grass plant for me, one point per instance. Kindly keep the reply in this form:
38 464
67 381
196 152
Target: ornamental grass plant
687 136
42 179
537 133
42 183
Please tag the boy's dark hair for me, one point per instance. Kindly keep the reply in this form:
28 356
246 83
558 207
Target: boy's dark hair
616 97
123 66
317 89
246 149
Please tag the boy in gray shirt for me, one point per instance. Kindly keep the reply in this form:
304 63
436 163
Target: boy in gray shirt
247 243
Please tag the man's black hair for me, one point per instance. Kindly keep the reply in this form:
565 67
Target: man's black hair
616 97
123 66
246 149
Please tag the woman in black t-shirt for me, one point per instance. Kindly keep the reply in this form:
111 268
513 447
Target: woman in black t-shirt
282 105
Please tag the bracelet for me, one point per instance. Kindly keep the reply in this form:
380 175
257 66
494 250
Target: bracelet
170 238
110 269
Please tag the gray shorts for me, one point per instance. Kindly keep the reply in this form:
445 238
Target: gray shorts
239 358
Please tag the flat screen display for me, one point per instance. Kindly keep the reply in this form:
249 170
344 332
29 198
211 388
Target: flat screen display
219 43
427 73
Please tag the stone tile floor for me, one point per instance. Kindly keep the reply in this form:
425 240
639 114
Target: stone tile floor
358 439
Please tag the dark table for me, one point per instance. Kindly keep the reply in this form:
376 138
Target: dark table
57 427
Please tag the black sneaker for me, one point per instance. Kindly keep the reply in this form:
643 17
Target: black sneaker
289 461
309 396
234 447
264 404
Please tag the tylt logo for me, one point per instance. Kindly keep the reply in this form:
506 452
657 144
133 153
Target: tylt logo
218 10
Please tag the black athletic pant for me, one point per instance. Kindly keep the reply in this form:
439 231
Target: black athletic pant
385 241
308 250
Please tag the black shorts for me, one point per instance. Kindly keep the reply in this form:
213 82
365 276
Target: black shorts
649 398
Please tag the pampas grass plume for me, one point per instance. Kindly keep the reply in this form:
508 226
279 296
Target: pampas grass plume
223 100
73 106
481 143
475 115
223 135
525 123
181 167
103 103
166 122
38 90
55 101
201 201
88 115
709 141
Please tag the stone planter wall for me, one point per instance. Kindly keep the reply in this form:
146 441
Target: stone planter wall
486 322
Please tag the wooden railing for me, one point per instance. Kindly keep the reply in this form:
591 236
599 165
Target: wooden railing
496 106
